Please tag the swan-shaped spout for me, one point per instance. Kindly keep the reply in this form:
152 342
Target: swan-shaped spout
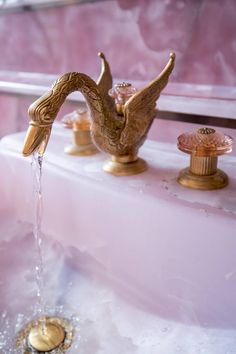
44 110
120 135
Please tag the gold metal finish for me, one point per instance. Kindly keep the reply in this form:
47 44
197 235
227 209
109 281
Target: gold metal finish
125 165
206 131
123 84
203 165
216 181
204 146
46 339
55 334
82 144
115 134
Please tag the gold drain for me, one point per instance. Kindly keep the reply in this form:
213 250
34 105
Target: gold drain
46 335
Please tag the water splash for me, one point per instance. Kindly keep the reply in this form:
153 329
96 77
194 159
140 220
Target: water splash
10 326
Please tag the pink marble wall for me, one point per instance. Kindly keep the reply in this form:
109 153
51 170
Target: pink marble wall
136 35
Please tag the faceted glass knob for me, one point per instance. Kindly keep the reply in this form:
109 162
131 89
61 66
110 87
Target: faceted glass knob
82 122
82 144
205 142
75 116
121 92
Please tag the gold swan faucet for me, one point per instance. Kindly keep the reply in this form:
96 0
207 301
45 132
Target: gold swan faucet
120 117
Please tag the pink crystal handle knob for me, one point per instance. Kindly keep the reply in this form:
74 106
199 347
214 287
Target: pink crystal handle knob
82 144
204 146
205 142
121 92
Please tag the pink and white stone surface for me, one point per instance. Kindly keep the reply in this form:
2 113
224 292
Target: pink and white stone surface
165 255
136 35
166 301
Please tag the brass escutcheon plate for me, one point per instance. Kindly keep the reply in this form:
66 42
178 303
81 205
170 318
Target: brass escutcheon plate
125 169
215 181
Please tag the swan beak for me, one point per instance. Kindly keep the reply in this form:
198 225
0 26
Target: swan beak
36 139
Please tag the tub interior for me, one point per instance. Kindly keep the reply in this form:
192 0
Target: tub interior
107 321
144 282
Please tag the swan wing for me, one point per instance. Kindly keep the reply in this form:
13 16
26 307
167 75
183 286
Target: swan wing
140 109
104 82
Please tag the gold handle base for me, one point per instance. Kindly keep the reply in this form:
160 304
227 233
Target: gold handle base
125 168
82 144
214 181
86 150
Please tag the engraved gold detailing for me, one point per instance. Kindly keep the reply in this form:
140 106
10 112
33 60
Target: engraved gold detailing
206 131
204 146
105 80
115 134
82 144
203 165
140 109
123 84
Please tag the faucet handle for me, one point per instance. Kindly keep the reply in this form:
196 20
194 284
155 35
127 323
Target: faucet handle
121 92
73 116
82 144
204 146
205 142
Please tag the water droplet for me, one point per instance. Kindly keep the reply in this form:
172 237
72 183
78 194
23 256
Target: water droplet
4 314
165 329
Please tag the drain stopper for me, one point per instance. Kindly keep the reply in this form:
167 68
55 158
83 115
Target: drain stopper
45 338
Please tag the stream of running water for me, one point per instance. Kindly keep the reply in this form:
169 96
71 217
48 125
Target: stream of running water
37 162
